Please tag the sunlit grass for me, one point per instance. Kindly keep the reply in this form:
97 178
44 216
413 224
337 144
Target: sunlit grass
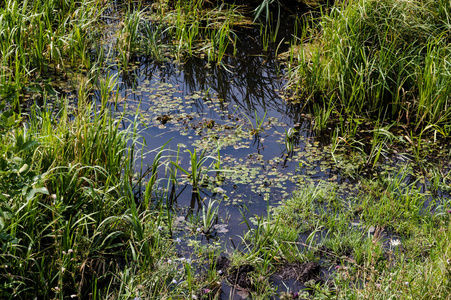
73 222
379 60
382 242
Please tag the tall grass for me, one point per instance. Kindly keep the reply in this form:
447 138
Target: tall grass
37 37
179 30
196 29
69 220
380 60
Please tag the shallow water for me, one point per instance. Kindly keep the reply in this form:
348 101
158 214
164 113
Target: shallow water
200 105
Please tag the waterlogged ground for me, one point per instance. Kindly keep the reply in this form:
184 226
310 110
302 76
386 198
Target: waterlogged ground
215 186
265 148
262 162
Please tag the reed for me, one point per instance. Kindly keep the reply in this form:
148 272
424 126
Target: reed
198 30
39 36
68 211
209 217
129 37
381 60
257 126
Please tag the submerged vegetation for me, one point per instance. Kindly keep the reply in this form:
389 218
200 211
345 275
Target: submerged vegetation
82 216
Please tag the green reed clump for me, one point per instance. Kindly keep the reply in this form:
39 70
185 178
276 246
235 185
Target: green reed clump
128 42
184 28
194 28
69 221
381 60
41 36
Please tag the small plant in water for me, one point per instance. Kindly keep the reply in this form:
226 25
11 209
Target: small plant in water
290 139
257 128
209 217
196 165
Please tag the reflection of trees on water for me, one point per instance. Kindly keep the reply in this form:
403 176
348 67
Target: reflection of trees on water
254 78
251 78
253 83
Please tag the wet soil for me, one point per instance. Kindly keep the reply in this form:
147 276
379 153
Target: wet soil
301 272
240 276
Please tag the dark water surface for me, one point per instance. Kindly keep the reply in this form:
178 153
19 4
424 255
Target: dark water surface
200 105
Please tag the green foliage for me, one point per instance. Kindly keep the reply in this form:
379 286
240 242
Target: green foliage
197 167
209 217
71 224
186 29
37 34
257 126
67 213
383 236
385 60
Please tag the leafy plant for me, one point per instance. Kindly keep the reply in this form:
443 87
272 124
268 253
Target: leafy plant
256 128
209 216
289 139
197 166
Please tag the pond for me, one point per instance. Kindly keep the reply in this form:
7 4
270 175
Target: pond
177 149
266 145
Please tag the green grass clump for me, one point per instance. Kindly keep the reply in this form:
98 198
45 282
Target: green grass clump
69 223
379 60
37 37
178 29
380 243
197 28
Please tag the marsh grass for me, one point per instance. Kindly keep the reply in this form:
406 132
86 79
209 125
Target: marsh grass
197 168
72 219
198 29
69 218
71 223
378 60
209 217
180 30
42 36
128 42
257 126
380 242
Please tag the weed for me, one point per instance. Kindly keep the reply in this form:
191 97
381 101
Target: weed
209 217
197 167
256 128
372 60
